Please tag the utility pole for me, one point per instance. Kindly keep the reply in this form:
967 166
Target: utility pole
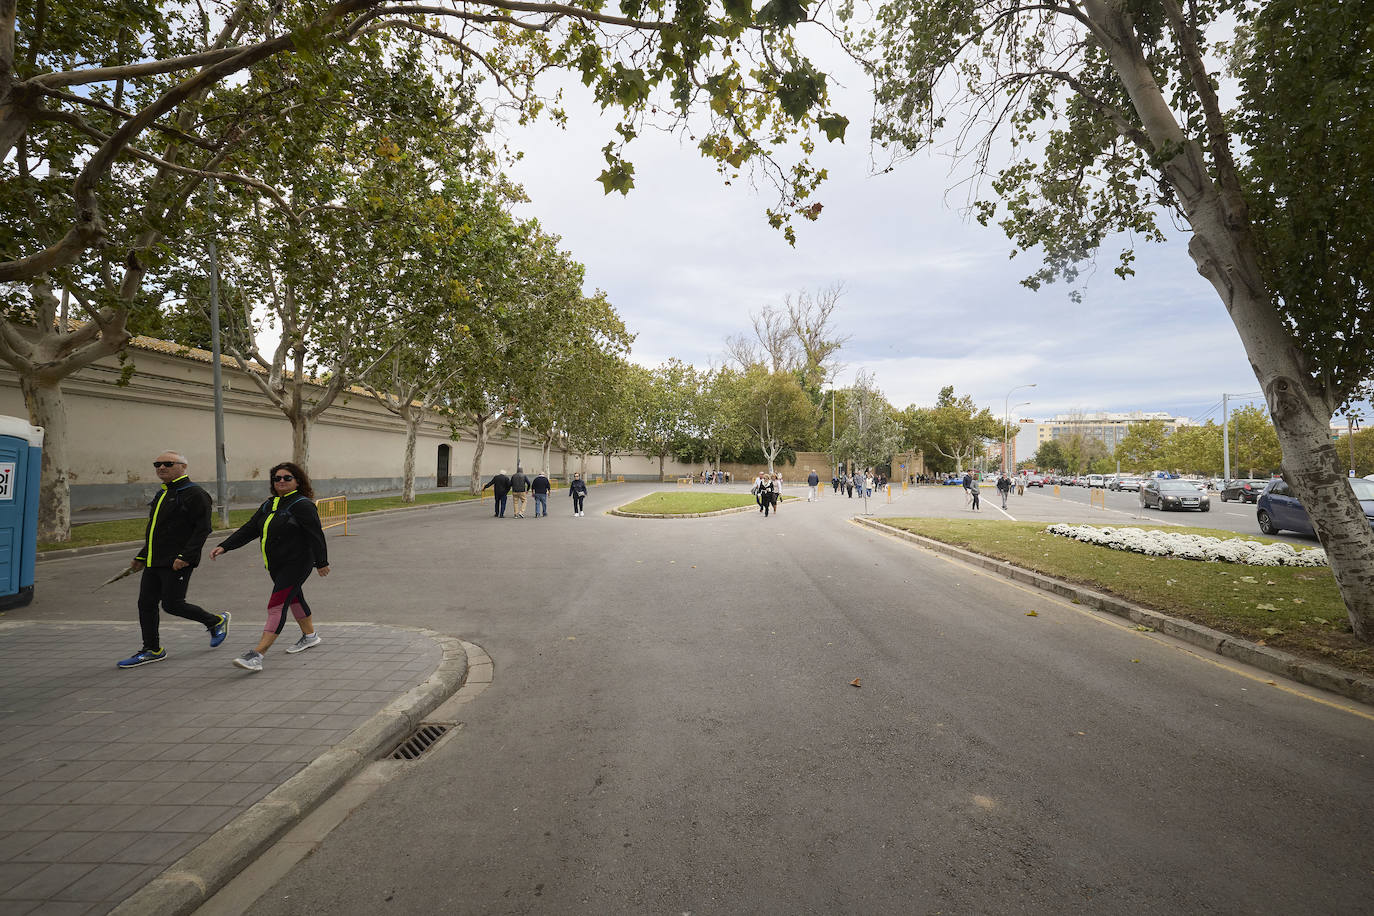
1006 421
1225 443
221 461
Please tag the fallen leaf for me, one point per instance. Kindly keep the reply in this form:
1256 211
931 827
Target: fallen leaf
1265 607
1272 631
1144 629
1250 579
1032 614
1135 661
1270 583
1299 601
855 683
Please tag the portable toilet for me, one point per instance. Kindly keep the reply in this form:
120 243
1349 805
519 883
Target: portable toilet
21 462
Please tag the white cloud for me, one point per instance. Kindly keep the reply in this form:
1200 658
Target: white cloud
931 297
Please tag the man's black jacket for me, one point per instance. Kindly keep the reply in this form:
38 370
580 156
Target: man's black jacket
178 524
519 482
500 485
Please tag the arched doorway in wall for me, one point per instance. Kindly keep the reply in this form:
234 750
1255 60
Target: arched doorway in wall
444 452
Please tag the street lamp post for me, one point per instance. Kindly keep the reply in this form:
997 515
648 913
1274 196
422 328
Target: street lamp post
1006 420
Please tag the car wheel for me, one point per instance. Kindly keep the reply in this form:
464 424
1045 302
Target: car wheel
1266 524
1223 498
1206 508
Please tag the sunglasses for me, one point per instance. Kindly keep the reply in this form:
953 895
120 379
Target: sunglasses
165 464
281 477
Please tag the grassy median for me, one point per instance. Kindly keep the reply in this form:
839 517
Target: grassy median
685 502
1295 609
131 529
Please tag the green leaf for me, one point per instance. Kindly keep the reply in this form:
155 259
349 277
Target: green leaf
619 177
781 13
834 127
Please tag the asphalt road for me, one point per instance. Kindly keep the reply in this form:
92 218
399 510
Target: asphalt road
672 728
1228 516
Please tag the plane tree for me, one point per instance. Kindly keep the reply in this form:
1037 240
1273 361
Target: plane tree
111 121
1115 124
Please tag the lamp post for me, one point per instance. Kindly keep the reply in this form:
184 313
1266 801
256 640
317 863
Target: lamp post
1006 420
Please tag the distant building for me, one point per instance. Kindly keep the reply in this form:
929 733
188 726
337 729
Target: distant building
1107 428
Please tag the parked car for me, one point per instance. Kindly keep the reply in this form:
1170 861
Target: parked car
1128 483
1173 494
1097 480
1247 491
1279 509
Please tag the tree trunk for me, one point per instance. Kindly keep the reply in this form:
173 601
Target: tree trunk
300 438
482 426
661 457
47 409
412 418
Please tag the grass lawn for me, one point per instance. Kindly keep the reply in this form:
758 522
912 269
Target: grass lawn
1295 609
131 529
685 502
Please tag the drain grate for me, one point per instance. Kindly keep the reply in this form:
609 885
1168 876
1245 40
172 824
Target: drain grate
421 740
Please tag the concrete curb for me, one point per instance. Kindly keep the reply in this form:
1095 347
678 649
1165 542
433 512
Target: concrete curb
196 876
1313 674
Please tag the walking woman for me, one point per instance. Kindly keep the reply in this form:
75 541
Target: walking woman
578 491
293 543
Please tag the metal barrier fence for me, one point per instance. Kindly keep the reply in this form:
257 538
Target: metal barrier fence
1097 498
333 512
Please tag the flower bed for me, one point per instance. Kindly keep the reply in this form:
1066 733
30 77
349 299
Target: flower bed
1192 547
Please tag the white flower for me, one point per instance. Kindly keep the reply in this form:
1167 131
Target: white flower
1192 546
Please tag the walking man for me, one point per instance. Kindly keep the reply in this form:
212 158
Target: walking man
540 488
178 524
500 486
1004 487
813 482
519 486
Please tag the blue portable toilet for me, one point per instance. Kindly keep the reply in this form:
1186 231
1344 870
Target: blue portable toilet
21 463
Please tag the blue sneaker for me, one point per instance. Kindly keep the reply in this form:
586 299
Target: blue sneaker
143 657
219 631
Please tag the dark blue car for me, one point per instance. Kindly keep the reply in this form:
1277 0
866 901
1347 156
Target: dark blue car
1279 509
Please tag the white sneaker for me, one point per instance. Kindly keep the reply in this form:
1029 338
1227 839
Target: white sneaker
305 642
250 660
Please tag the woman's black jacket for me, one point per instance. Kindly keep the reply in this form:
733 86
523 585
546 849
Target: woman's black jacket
292 537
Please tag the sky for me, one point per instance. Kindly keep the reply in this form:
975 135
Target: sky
930 298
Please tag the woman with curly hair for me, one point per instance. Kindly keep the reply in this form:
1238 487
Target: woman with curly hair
293 543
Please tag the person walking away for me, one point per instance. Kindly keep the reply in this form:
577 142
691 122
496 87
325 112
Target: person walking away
500 486
578 491
813 483
540 487
288 525
1004 487
178 524
973 496
519 486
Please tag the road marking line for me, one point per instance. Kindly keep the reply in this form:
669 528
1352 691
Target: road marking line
1108 619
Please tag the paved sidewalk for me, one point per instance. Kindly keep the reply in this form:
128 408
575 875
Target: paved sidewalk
108 776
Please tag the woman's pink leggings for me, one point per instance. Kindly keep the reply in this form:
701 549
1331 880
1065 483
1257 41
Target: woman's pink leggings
292 597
